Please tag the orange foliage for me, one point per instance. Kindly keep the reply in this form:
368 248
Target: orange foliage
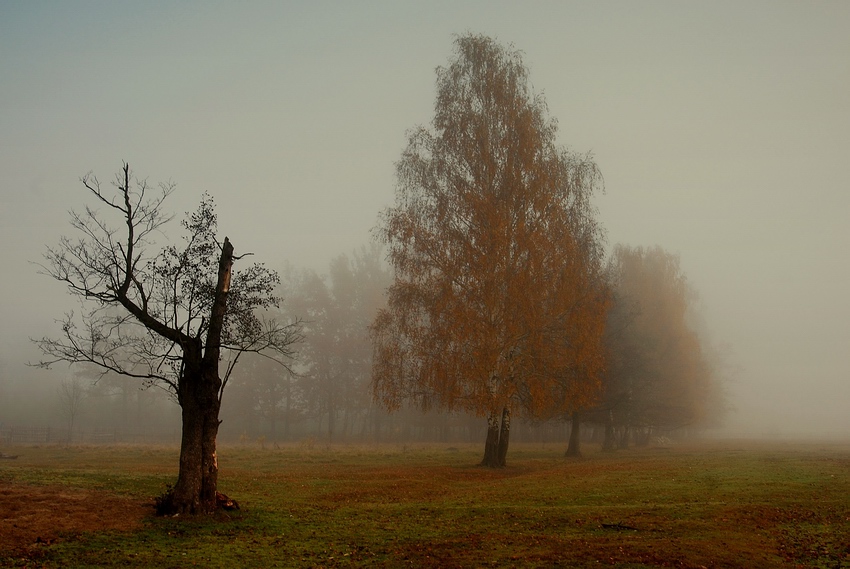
658 372
498 300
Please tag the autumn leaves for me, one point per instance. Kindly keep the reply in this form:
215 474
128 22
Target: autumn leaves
503 301
499 299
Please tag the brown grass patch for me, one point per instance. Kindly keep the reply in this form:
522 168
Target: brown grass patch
31 516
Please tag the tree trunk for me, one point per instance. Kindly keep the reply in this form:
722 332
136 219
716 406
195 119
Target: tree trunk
197 480
125 406
378 421
286 410
504 436
198 394
609 444
496 446
491 445
331 416
624 437
273 422
209 456
575 436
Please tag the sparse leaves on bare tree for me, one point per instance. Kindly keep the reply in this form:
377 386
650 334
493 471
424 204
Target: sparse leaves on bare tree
167 315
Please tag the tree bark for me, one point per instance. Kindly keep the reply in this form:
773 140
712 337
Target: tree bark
575 436
199 397
504 436
491 445
498 436
197 480
209 456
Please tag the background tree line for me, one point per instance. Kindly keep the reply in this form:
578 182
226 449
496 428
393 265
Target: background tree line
660 371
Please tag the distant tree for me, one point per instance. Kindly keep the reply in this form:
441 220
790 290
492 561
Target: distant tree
336 358
264 396
574 445
72 394
3 393
121 402
498 301
168 317
657 373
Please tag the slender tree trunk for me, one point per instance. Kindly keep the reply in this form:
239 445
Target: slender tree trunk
71 430
286 410
609 444
575 436
624 437
504 436
125 407
377 424
331 415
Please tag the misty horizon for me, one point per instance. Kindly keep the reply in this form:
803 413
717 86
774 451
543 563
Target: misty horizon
721 137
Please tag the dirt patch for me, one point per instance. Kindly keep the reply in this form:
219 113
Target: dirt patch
32 516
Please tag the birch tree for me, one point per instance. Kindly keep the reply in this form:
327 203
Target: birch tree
498 303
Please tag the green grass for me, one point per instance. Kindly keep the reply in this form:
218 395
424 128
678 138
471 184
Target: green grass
714 505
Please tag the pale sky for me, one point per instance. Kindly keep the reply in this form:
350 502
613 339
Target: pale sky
722 130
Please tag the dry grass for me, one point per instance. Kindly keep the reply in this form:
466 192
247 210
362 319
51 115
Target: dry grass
712 505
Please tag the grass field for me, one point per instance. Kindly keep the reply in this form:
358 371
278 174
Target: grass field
730 504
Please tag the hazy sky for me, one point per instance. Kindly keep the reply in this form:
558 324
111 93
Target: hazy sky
722 130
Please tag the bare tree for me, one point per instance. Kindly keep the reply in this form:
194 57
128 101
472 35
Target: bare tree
168 318
72 393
